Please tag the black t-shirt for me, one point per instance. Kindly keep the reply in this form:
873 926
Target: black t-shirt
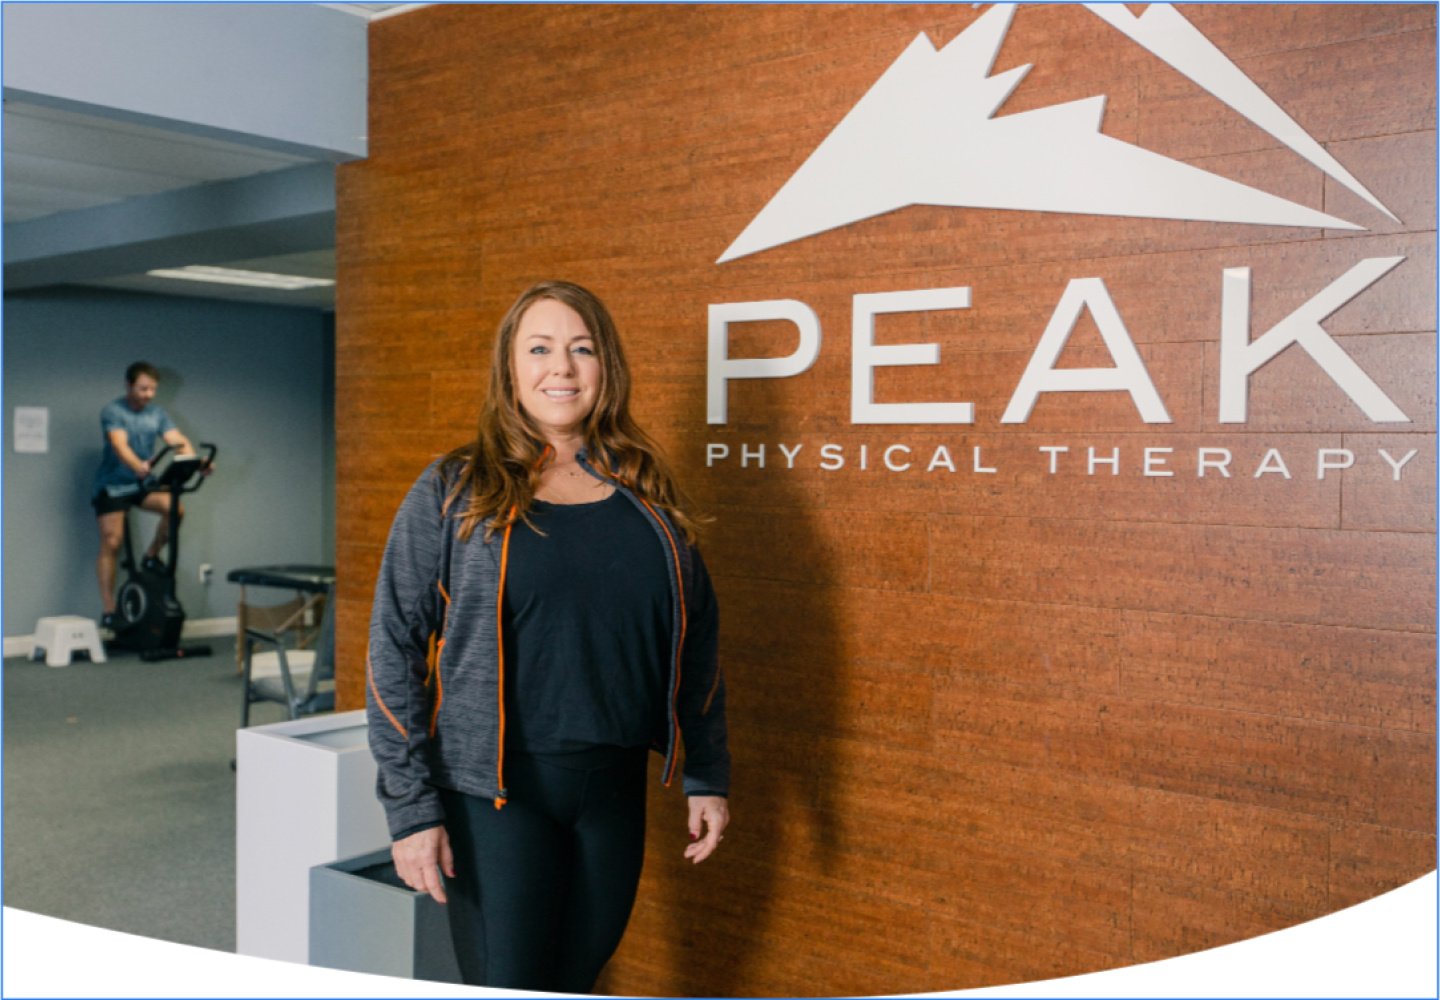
587 628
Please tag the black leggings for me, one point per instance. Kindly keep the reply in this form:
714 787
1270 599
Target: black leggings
543 888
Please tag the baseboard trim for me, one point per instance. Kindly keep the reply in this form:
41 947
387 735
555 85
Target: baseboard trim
195 628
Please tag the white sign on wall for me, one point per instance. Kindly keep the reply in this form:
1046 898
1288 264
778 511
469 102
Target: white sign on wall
32 430
925 134
1240 356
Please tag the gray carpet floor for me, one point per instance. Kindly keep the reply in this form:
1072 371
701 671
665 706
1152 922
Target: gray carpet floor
119 798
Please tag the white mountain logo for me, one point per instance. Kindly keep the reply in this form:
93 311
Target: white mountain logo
925 134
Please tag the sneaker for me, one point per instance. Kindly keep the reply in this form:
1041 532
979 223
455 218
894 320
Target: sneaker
152 565
109 621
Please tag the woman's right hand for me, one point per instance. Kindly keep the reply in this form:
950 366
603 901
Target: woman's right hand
419 859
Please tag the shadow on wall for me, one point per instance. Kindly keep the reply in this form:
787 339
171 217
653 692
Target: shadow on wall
780 649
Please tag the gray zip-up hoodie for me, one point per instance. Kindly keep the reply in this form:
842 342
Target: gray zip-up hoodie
435 669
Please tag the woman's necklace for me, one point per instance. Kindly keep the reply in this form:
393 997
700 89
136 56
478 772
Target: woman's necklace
567 481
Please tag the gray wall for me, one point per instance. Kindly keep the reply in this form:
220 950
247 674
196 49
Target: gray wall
255 380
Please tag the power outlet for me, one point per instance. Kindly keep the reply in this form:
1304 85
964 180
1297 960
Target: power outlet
206 572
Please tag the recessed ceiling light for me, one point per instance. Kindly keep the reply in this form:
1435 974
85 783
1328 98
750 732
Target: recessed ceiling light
232 276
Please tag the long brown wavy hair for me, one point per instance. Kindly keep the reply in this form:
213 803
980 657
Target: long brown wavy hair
496 475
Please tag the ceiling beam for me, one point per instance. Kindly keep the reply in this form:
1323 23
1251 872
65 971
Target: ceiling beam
285 211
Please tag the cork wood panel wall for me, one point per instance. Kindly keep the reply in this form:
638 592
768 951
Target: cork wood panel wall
1010 699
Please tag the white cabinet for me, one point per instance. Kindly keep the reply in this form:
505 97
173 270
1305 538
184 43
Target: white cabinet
304 796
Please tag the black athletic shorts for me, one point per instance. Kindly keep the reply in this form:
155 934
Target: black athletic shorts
105 503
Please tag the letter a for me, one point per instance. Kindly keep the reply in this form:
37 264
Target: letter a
1129 372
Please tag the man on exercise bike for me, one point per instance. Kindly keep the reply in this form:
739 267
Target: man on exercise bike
132 427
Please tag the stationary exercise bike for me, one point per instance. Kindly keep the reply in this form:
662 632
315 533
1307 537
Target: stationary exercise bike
148 617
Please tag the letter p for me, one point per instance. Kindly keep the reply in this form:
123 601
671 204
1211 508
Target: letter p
722 368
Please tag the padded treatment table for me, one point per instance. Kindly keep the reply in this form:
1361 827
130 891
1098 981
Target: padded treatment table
312 579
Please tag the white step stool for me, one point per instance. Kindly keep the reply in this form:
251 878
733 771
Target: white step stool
62 635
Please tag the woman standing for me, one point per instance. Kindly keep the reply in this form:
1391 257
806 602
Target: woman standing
541 620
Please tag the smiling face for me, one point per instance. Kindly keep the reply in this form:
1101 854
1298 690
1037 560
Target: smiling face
557 370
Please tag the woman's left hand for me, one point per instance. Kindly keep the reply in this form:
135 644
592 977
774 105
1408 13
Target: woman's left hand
709 815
